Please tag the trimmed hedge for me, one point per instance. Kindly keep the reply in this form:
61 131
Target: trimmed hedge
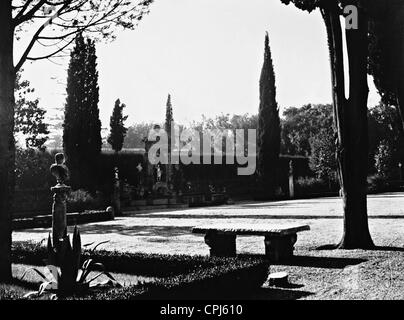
228 278
153 265
9 294
179 276
72 219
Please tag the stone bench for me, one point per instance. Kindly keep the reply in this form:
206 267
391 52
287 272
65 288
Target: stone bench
279 239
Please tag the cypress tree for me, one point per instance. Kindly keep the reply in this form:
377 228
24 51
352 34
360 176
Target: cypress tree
91 112
169 119
82 126
268 143
118 129
167 127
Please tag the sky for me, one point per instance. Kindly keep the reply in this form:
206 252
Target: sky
208 55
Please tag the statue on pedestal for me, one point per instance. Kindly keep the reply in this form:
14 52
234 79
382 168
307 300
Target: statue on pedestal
60 191
59 169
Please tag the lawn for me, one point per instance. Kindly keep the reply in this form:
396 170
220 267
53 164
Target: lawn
341 274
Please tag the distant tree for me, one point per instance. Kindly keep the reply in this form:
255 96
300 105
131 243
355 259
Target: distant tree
92 113
117 125
135 135
244 121
169 120
268 143
29 117
169 114
386 52
73 122
384 159
302 126
167 126
322 158
299 125
227 121
384 125
32 168
82 126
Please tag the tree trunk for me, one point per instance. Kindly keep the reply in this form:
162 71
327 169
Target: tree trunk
7 148
350 120
356 229
397 13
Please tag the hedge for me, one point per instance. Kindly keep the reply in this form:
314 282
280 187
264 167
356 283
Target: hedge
45 221
228 278
152 265
179 276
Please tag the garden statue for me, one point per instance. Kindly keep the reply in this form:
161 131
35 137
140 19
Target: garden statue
158 169
59 169
60 191
116 197
291 180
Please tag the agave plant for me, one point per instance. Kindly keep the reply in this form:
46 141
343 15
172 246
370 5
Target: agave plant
64 275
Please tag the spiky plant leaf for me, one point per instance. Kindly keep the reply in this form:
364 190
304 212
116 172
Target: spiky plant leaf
46 286
52 258
100 274
88 244
37 271
76 239
49 246
29 295
76 248
90 266
52 273
86 264
98 244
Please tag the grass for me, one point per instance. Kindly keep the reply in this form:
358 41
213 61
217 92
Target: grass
340 275
12 291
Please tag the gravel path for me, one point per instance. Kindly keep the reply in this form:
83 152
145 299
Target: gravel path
168 231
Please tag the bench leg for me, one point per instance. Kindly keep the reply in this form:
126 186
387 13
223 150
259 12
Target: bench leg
279 248
221 245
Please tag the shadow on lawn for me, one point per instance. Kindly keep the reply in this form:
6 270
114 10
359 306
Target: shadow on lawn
312 262
397 249
263 293
274 293
263 216
321 262
376 248
122 229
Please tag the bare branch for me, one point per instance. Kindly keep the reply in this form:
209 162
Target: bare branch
101 18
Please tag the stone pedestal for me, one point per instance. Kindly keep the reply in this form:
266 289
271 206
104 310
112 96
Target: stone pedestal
291 181
116 196
59 222
221 245
279 248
